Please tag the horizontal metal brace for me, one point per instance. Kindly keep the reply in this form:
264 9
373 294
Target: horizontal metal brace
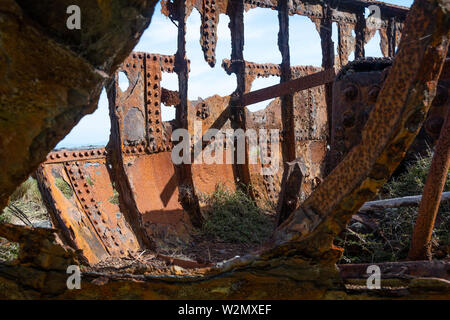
278 90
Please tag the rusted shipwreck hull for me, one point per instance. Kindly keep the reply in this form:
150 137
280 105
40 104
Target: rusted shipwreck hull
130 196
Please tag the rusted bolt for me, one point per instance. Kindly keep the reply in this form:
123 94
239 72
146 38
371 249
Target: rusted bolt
351 92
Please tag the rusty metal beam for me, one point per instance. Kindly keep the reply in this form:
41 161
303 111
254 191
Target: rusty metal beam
287 101
326 42
238 116
423 229
187 193
360 33
285 88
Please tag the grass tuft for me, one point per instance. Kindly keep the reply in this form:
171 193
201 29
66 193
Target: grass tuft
233 217
27 198
64 187
114 199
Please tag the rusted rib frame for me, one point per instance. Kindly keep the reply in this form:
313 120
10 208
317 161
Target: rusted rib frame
74 155
116 159
327 44
237 115
287 101
236 13
181 66
360 34
189 201
306 82
391 33
431 198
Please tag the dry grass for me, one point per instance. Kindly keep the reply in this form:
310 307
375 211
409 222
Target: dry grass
233 217
28 200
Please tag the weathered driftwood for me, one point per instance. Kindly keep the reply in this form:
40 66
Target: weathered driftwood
410 201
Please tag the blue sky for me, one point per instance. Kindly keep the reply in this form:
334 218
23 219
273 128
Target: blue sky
261 30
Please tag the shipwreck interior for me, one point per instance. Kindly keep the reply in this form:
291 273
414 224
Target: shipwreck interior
345 127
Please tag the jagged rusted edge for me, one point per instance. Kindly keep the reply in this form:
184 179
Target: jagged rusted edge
344 13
